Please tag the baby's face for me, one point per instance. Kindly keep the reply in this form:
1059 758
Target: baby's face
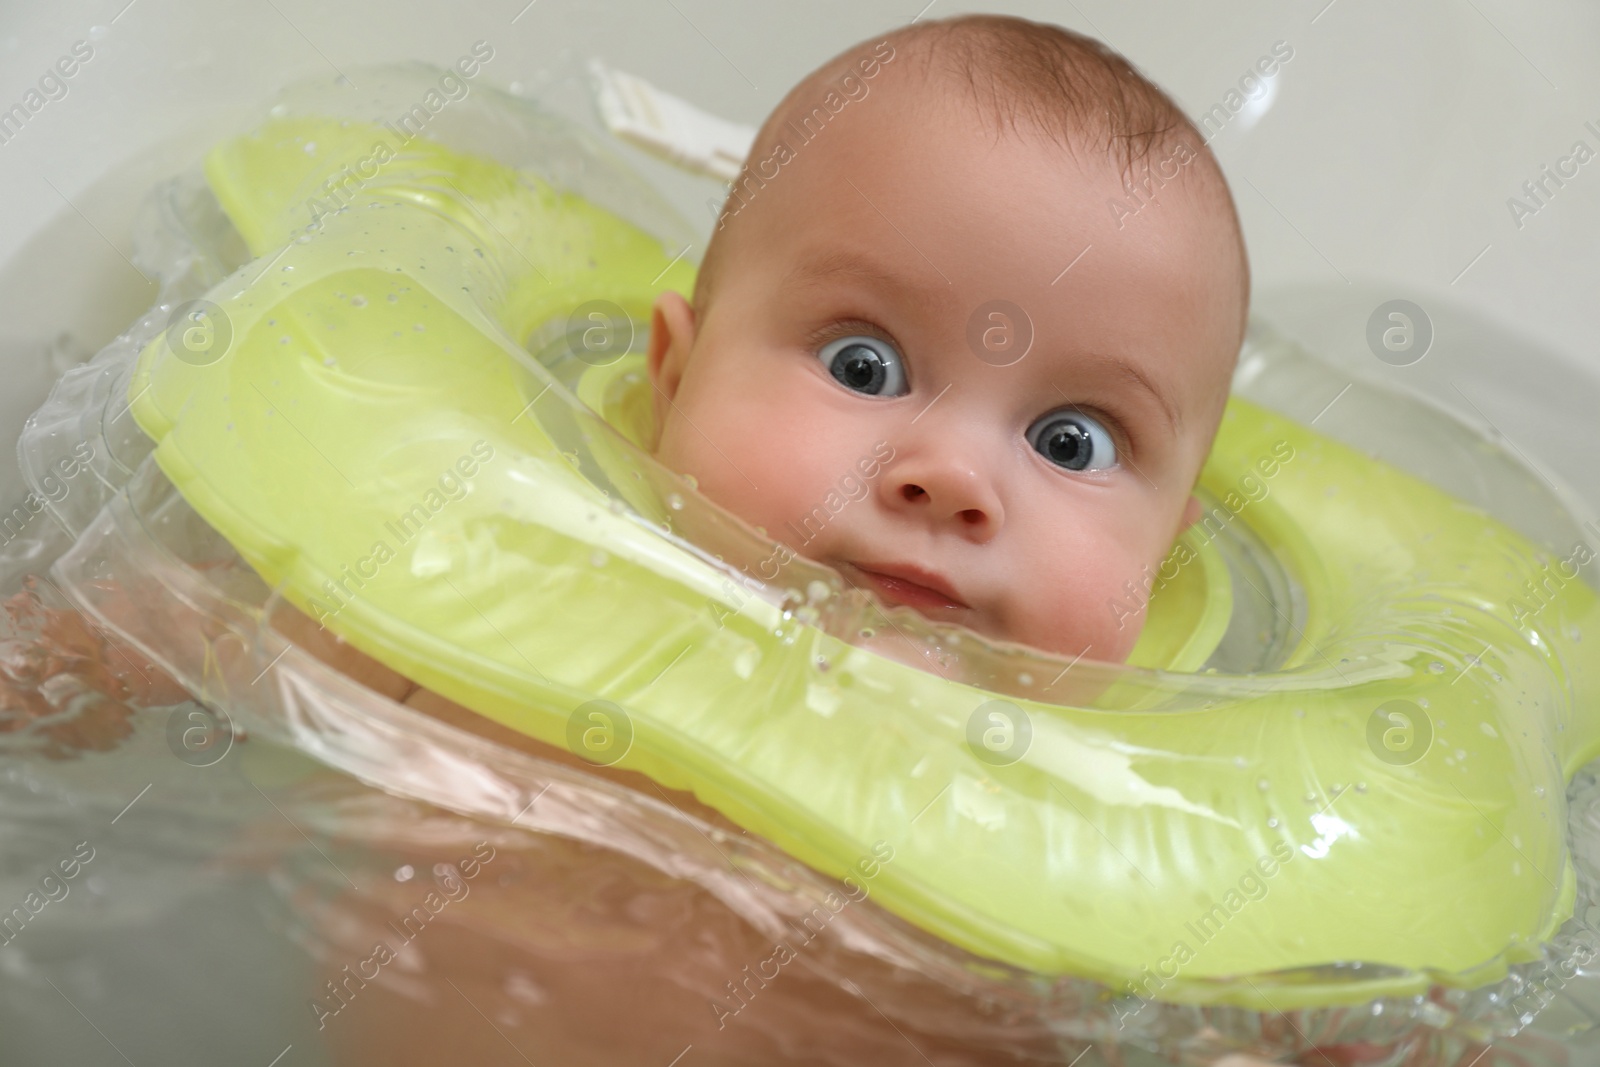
853 390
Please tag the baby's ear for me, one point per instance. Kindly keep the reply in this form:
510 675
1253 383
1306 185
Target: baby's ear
1191 513
672 328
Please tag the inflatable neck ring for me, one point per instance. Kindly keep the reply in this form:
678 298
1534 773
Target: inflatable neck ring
1333 770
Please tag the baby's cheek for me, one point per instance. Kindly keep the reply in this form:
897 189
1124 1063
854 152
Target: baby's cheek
736 464
1100 608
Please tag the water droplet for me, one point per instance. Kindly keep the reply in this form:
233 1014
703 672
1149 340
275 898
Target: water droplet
1273 822
1361 787
417 326
1422 702
303 239
1239 761
1263 785
674 501
311 148
394 298
1025 679
1310 798
1538 790
404 874
1436 667
822 663
358 301
867 632
598 558
616 506
817 591
691 481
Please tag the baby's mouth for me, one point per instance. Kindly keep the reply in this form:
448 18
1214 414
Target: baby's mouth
905 585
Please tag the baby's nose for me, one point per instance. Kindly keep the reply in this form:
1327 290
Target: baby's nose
946 489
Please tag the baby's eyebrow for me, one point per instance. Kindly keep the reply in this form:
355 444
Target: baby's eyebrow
821 267
840 263
1122 368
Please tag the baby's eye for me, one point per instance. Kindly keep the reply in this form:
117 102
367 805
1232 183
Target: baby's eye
1073 440
865 364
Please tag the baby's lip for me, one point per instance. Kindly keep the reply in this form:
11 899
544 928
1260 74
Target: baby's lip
911 585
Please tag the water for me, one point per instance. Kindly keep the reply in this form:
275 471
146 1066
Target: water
282 829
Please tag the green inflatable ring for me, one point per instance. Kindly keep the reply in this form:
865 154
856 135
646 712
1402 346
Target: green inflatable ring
357 413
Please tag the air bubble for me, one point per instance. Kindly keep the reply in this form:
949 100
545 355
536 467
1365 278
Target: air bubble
598 558
358 301
817 591
405 873
868 632
674 501
1272 823
691 481
1263 785
1025 679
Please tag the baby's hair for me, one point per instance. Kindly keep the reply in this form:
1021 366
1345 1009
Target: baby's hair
1071 88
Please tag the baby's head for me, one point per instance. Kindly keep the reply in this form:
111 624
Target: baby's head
969 317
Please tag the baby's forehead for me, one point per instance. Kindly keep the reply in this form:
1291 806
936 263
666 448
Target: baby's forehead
890 118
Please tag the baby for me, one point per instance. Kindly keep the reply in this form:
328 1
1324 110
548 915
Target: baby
987 268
